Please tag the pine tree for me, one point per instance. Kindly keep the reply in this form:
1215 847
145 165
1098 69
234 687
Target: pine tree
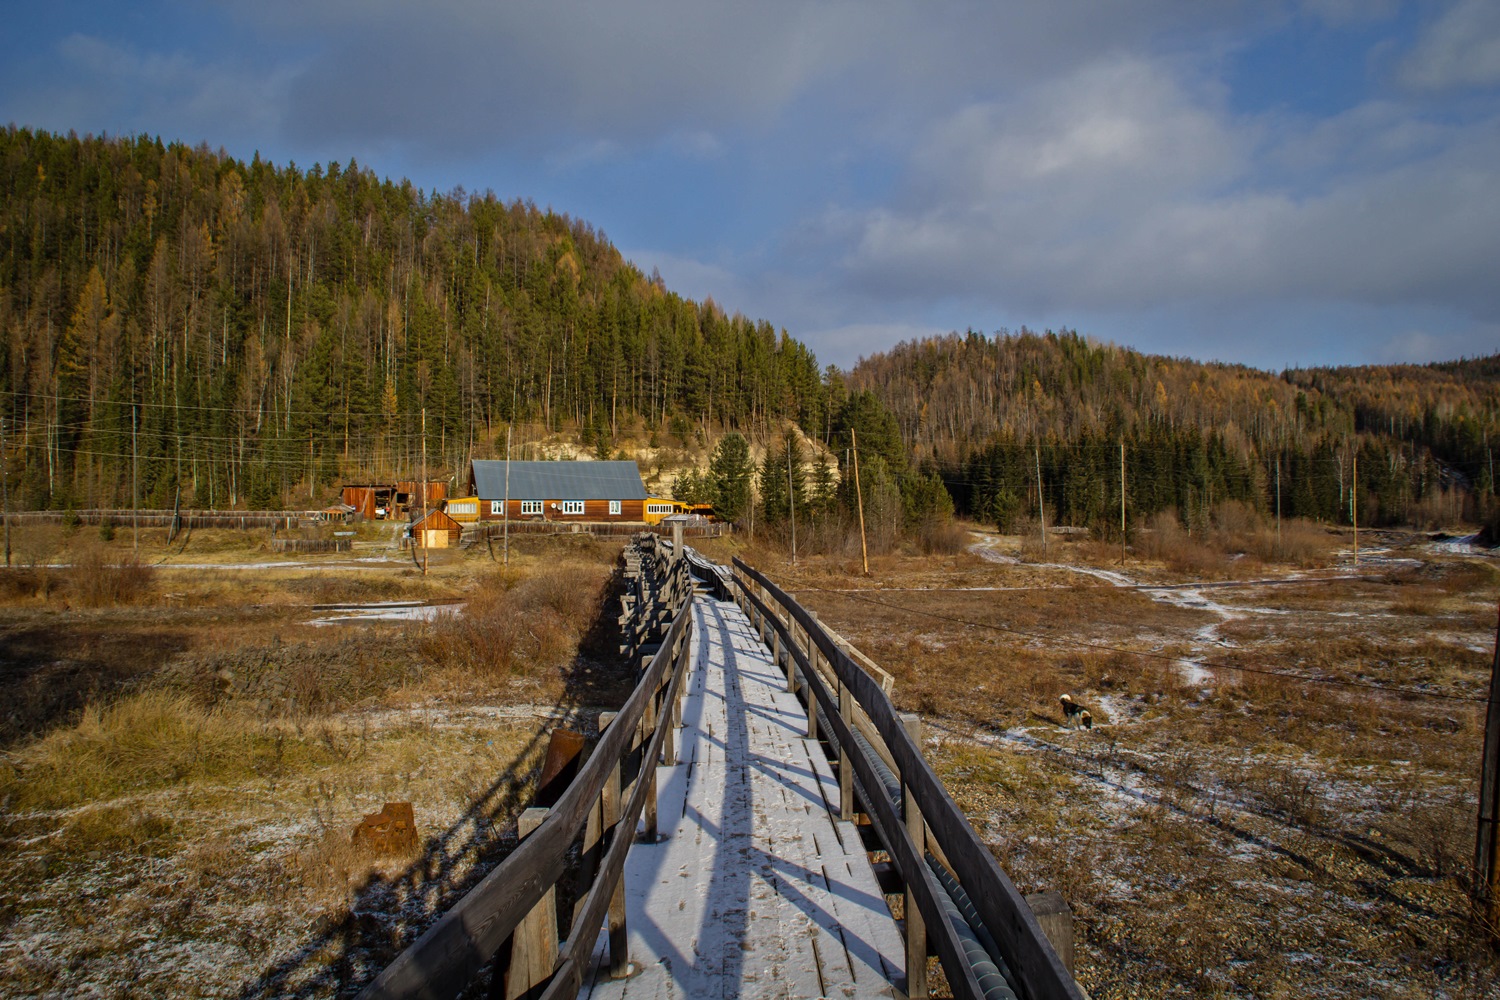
730 469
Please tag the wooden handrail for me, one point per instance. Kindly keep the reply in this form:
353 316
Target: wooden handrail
448 955
1001 908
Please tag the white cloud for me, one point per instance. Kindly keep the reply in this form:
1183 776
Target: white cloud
1119 187
114 87
893 162
1459 49
466 74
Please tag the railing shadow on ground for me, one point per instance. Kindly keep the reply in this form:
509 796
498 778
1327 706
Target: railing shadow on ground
387 914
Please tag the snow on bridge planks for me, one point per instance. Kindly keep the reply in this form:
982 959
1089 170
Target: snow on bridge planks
756 889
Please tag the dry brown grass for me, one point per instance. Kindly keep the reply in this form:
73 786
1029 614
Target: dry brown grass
1236 543
1205 831
204 803
514 623
940 537
98 579
137 743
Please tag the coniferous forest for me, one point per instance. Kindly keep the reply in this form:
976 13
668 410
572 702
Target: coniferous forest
999 415
247 332
253 334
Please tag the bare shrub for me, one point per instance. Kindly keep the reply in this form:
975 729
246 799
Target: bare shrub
1288 791
22 582
941 537
1235 519
1028 530
97 581
526 624
1301 543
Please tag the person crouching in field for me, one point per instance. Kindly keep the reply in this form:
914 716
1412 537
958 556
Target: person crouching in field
1075 715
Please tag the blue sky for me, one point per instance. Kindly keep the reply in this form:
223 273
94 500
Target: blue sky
1293 183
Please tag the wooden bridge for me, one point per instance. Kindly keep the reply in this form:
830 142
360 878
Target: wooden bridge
718 841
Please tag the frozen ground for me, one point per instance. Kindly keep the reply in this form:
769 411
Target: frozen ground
253 888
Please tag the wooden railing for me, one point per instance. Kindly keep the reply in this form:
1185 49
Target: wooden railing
655 586
598 815
944 865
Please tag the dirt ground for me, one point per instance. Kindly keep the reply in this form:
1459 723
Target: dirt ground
1277 797
185 752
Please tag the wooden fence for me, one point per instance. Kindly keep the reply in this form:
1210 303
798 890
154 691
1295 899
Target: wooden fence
597 815
944 865
493 530
312 545
186 519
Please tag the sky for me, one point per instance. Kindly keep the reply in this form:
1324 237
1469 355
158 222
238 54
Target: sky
1277 183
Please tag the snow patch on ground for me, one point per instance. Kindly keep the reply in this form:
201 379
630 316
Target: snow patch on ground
1186 597
386 611
1466 545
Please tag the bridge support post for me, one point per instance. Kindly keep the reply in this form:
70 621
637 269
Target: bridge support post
791 672
1056 919
812 657
846 766
669 719
760 592
533 950
643 733
672 713
619 939
687 669
916 926
812 715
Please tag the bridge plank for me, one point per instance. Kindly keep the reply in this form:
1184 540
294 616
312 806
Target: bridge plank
756 889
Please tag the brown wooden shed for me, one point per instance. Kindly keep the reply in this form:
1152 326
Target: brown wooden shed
435 530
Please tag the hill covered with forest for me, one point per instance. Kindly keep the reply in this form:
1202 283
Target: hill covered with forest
253 334
249 332
1001 417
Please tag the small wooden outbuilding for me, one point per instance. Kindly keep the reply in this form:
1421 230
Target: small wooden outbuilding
435 530
387 501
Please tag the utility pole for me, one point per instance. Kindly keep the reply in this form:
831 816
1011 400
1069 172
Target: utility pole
791 499
1122 501
859 501
424 466
1041 511
1278 503
135 479
5 490
506 529
1354 501
1487 843
1490 453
